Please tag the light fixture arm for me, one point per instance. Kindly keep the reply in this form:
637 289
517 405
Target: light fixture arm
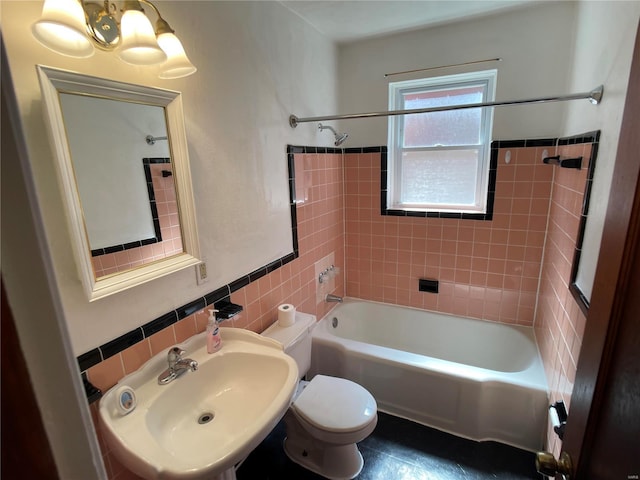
132 5
161 24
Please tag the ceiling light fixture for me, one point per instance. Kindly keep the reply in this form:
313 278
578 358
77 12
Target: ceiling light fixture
75 27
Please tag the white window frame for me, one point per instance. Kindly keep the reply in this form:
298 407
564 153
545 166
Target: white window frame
396 148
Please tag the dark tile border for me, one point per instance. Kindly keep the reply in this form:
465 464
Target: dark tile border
121 343
160 323
191 308
89 359
239 283
491 191
90 391
304 149
146 162
532 142
589 137
217 295
381 149
594 139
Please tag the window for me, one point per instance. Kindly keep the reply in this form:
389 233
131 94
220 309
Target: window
439 161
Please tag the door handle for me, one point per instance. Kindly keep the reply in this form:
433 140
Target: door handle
546 464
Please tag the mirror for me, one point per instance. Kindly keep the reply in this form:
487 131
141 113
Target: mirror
584 261
123 166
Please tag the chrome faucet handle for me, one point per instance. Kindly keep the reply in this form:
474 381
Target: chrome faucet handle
177 366
174 356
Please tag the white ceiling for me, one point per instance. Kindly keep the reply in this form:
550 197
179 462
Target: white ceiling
349 20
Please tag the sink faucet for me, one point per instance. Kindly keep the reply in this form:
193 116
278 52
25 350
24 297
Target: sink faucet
177 366
332 298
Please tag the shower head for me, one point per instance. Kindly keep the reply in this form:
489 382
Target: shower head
340 137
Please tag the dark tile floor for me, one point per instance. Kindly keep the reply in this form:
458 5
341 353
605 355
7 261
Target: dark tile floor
402 450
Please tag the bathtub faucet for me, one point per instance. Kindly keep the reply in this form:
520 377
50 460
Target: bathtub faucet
332 298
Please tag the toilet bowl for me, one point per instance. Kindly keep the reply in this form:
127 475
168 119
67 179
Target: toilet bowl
328 416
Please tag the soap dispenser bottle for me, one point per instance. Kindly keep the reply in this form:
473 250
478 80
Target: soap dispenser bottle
214 341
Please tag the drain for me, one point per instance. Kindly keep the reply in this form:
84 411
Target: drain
334 322
205 418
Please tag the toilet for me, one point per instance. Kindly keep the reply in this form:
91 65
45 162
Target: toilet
327 415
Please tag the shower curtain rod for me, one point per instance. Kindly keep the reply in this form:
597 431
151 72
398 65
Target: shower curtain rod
474 62
594 96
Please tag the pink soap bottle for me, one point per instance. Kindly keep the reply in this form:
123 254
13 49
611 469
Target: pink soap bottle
214 341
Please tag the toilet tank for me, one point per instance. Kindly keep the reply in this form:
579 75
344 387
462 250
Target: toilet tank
296 339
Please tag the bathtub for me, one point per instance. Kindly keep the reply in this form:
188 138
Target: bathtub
472 378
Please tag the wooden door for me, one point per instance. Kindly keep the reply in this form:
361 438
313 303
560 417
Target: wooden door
603 429
25 448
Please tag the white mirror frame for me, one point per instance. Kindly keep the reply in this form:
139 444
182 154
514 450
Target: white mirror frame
54 81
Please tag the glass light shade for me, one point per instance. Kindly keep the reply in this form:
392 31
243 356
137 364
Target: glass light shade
62 28
139 45
177 64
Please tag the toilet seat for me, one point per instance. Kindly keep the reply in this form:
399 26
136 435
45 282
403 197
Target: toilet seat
336 405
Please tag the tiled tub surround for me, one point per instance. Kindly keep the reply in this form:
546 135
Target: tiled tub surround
559 321
487 269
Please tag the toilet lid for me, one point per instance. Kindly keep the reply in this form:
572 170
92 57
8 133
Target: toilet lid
335 404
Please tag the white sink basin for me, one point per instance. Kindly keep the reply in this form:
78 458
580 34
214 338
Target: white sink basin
204 422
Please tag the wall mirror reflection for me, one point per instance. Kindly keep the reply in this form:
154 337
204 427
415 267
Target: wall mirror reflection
124 171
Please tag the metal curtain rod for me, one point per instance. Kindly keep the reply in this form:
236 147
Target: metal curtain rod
443 66
594 96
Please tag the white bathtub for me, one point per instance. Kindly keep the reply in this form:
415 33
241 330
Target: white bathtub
476 379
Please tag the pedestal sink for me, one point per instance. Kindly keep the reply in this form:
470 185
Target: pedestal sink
204 422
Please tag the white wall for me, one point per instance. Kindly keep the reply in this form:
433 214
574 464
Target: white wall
257 63
604 45
534 43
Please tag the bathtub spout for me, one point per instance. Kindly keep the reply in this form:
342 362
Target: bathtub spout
332 298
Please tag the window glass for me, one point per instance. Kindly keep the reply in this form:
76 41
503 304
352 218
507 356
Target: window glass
439 161
447 177
453 127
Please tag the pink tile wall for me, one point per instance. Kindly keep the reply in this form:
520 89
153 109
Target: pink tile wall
559 320
320 232
487 269
171 243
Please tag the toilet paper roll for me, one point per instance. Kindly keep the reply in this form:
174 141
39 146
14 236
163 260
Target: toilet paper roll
286 315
